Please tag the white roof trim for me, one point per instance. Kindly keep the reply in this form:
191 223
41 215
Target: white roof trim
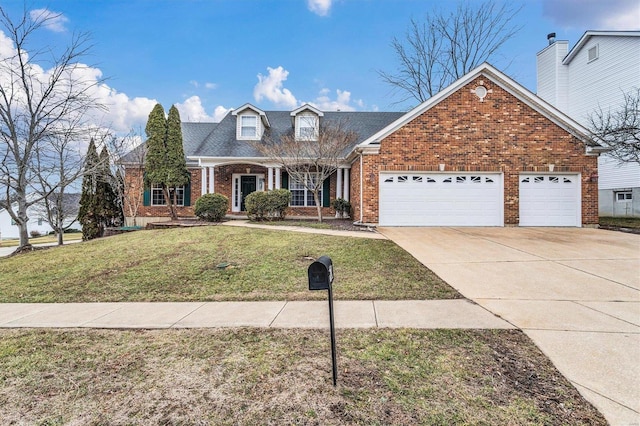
511 86
260 112
588 34
307 107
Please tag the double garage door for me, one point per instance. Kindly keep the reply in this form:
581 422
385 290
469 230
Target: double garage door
475 199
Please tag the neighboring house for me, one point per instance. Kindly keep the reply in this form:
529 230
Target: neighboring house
483 152
37 218
594 74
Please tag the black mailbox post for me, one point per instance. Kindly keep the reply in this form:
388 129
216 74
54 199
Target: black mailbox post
320 275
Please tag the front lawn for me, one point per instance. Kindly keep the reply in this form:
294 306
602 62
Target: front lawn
621 222
269 376
215 263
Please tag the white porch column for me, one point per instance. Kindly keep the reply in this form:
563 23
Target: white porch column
278 173
203 181
339 182
345 181
270 178
211 180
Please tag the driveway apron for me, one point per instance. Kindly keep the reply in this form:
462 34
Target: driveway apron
574 291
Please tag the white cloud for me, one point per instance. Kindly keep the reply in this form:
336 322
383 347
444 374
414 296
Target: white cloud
593 14
319 7
193 110
270 88
207 85
120 113
7 49
53 21
341 103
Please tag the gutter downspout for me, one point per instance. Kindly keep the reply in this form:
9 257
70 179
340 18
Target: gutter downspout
361 190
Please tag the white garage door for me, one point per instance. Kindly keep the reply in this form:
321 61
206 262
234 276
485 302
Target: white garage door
550 200
441 199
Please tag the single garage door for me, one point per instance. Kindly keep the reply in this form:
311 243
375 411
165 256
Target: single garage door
441 199
550 200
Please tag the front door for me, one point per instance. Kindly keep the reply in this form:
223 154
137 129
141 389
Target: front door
247 186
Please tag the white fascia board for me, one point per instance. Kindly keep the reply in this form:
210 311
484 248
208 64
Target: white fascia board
541 106
209 161
432 101
588 34
261 113
497 77
307 107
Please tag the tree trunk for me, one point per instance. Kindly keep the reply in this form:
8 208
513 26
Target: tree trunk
24 235
318 202
170 204
60 231
22 222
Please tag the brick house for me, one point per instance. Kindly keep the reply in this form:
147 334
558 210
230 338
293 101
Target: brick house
483 152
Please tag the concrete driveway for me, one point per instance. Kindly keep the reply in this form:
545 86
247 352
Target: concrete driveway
574 291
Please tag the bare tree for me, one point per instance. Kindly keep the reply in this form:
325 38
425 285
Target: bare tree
129 163
619 129
312 159
43 96
58 167
439 50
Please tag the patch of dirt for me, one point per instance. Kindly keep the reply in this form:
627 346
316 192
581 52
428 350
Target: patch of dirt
517 369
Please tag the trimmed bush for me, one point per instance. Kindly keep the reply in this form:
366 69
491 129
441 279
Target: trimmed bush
256 205
212 207
267 205
279 200
342 207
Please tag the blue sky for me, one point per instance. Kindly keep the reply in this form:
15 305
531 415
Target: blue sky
209 56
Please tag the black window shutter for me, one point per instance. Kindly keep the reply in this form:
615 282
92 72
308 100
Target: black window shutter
146 197
187 194
326 188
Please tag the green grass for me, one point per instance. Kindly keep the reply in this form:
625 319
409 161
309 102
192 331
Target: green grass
624 222
269 376
74 236
182 265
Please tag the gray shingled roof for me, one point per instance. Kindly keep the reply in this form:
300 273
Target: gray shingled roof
192 136
219 139
222 142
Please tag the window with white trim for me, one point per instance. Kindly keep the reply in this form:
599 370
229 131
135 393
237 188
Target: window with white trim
624 196
249 126
300 195
307 127
157 195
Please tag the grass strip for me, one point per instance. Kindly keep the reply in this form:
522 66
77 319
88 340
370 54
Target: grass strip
268 376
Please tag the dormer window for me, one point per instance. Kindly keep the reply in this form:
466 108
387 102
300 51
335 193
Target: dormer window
248 126
307 127
251 123
306 120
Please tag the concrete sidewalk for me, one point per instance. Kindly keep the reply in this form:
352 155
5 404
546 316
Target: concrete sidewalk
6 251
458 313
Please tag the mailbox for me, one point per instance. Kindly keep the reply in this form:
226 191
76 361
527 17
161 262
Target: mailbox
321 274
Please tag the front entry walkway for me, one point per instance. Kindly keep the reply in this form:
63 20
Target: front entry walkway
574 291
